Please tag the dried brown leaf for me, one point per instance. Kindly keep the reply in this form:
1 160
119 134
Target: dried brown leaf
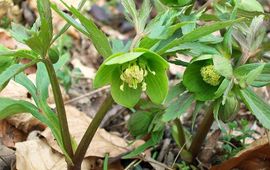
255 156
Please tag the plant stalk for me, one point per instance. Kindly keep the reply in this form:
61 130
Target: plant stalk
90 132
181 133
202 132
60 107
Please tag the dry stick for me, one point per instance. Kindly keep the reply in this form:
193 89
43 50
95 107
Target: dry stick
202 133
90 132
87 94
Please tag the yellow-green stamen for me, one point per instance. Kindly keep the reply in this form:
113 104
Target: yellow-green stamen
134 75
210 75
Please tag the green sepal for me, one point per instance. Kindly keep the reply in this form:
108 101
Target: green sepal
127 98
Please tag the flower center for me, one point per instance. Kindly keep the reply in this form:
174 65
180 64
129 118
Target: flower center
210 75
134 75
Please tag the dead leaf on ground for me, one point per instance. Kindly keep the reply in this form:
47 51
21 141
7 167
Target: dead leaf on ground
6 39
7 8
103 142
37 154
7 157
256 156
9 135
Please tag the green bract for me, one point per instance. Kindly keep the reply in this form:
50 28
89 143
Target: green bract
129 74
202 78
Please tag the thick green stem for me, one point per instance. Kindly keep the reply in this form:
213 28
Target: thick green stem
202 132
90 132
181 133
60 107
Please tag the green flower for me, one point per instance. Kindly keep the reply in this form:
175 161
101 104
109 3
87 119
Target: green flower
202 79
129 74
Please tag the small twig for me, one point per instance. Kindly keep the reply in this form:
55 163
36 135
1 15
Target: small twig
131 164
87 95
178 154
164 148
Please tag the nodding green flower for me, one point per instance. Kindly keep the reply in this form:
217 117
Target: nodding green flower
202 79
210 75
130 74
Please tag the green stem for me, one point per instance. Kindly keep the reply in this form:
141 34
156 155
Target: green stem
90 132
60 107
181 133
202 132
67 25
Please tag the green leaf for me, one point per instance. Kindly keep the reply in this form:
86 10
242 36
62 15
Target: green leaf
97 37
28 54
174 92
198 33
194 49
261 80
36 44
250 5
9 73
223 86
129 97
46 28
256 105
155 139
19 32
123 58
9 107
178 107
223 66
252 75
28 84
69 19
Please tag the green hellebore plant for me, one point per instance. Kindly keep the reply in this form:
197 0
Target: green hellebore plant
202 79
129 74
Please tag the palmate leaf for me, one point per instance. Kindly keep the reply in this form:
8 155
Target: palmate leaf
256 105
87 27
198 33
259 80
178 107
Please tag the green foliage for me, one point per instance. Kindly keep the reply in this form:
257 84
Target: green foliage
233 144
224 68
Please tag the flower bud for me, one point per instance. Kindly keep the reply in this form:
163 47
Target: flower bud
139 122
53 54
